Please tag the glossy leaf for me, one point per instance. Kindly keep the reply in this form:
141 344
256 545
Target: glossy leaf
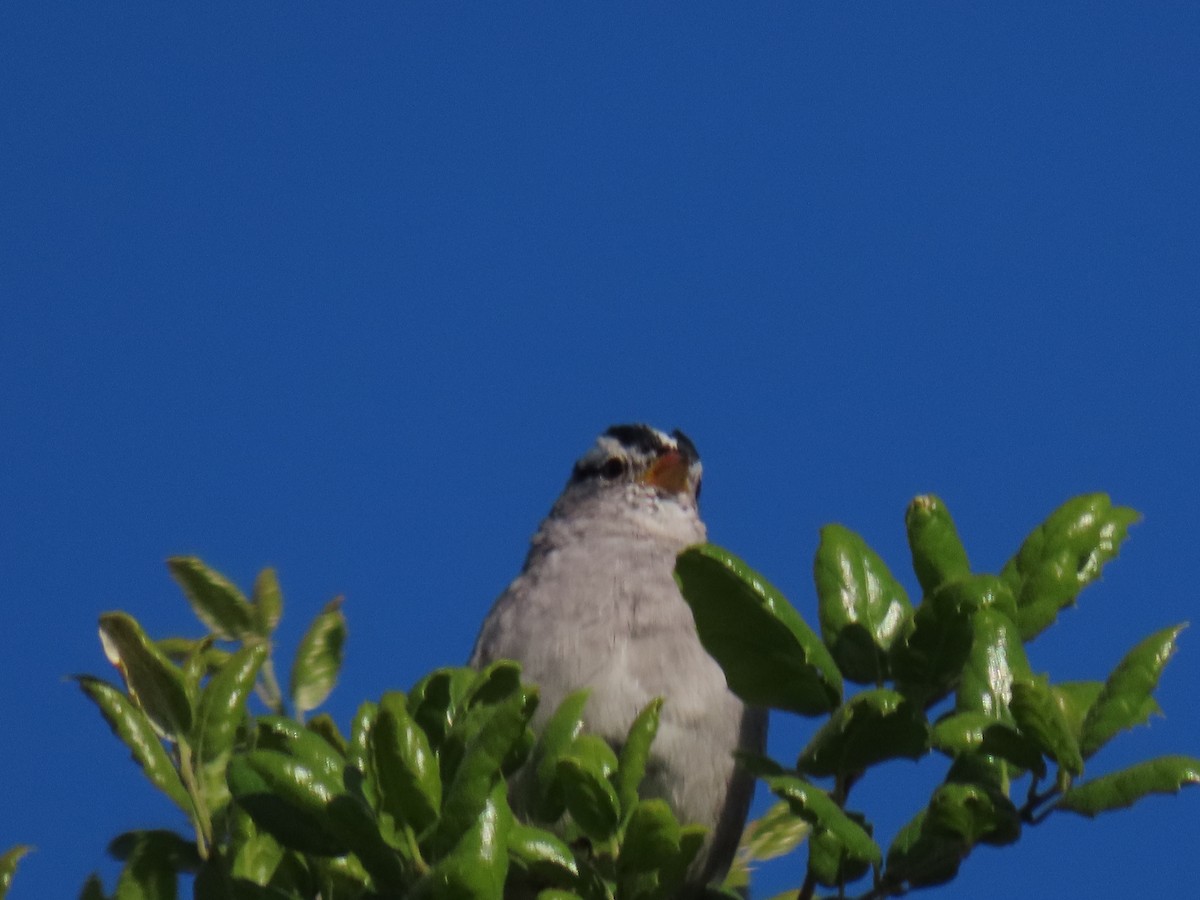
302 807
154 682
318 659
8 866
1164 775
436 700
589 795
268 602
921 857
817 808
289 736
255 854
862 608
406 771
928 658
132 726
769 654
480 767
477 866
977 732
937 551
216 600
1127 697
496 682
872 726
995 660
1062 556
223 703
541 854
1038 715
559 732
634 755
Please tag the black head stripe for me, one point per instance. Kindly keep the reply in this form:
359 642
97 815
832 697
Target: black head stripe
686 447
637 437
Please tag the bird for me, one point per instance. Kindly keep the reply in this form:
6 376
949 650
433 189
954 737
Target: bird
596 606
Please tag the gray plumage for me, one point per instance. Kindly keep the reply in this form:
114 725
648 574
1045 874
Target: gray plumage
596 606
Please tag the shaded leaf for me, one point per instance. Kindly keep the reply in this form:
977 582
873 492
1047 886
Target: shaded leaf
154 682
318 659
289 736
977 732
216 600
651 837
921 857
496 682
862 608
817 808
937 551
153 861
588 794
541 854
929 656
223 703
1074 699
478 864
436 700
1038 715
1062 556
1164 775
872 726
132 726
560 731
769 655
1127 698
828 861
973 812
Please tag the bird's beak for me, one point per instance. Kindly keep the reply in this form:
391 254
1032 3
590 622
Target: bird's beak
668 473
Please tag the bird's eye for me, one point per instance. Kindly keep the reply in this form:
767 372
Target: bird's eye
613 468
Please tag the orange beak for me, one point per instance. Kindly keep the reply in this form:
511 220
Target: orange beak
669 473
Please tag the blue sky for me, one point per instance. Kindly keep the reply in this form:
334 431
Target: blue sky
346 292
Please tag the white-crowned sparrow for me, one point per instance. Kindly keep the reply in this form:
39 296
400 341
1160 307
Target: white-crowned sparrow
596 606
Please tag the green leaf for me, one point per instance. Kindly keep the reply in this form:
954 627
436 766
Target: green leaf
133 727
289 736
293 801
480 767
872 726
928 659
223 703
318 659
921 857
862 607
828 861
542 855
1164 775
937 552
323 724
153 861
8 866
1127 698
977 732
268 602
1074 699
478 864
495 683
769 655
817 808
410 788
651 837
995 660
976 813
93 889
1062 556
214 599
155 683
634 755
1038 715
437 700
560 731
589 795
255 854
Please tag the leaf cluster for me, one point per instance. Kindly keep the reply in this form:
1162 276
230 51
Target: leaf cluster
948 675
